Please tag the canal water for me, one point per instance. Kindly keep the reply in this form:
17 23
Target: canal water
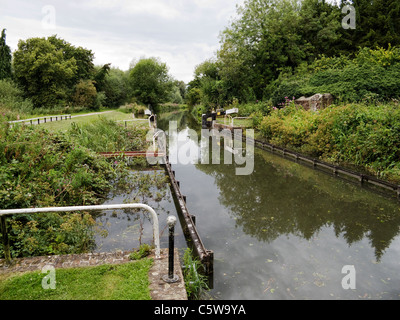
286 231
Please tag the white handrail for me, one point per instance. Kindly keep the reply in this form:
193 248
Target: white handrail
156 232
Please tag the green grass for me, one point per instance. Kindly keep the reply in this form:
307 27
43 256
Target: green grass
64 125
107 282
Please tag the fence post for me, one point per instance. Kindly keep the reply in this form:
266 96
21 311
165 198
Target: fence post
171 277
6 242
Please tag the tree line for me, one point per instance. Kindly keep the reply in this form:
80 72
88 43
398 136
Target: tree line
51 73
275 41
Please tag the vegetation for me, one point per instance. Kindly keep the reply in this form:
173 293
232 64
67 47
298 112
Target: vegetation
47 69
372 75
141 253
150 81
61 168
13 104
195 282
272 39
106 135
278 50
365 136
42 169
79 120
50 75
107 282
5 57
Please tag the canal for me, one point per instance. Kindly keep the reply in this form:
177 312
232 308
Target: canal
285 231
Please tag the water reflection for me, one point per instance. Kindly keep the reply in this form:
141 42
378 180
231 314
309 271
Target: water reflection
286 230
280 198
128 229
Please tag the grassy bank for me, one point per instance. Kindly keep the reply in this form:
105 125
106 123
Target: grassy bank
83 119
107 282
39 168
57 165
365 137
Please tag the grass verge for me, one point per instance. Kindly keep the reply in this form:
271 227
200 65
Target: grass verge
107 282
86 119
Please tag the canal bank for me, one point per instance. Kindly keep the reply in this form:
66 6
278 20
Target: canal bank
287 231
159 289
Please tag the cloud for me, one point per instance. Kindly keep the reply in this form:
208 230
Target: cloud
182 33
157 8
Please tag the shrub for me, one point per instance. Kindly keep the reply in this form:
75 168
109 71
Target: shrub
141 253
12 101
356 134
373 74
85 95
42 169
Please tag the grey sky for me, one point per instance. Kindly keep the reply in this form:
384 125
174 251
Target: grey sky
182 33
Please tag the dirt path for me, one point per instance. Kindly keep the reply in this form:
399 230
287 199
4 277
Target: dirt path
90 114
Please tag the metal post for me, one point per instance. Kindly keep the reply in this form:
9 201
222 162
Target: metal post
171 277
6 242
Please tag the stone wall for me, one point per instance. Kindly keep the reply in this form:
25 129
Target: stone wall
316 102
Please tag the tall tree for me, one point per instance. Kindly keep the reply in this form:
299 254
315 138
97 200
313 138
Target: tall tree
44 72
49 69
150 81
262 41
320 27
5 57
85 69
377 24
213 91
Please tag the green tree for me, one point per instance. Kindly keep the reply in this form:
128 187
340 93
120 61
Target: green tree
150 82
193 96
100 76
48 69
83 58
212 88
377 24
5 57
262 41
320 27
85 95
44 72
115 88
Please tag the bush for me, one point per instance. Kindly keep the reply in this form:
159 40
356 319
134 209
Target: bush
247 109
356 134
42 169
85 95
370 75
12 101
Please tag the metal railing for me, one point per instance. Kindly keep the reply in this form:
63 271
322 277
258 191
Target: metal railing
156 233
